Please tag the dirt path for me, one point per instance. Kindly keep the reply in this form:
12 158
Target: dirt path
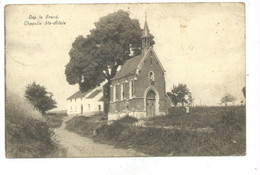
78 146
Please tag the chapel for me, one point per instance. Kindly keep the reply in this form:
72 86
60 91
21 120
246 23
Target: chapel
138 88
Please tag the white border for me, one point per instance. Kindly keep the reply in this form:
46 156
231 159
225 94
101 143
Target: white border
248 164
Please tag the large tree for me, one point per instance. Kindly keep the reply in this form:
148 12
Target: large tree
96 57
180 95
38 96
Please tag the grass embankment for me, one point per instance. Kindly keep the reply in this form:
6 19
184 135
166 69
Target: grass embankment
226 137
85 126
27 132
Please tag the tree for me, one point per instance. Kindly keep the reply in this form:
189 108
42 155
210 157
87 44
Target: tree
244 91
96 57
227 99
180 94
39 97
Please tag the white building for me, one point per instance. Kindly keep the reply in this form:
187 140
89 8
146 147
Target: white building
86 103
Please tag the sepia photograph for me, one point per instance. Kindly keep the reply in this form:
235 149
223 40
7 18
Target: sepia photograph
125 80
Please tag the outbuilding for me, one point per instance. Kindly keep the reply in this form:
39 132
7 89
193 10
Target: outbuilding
86 103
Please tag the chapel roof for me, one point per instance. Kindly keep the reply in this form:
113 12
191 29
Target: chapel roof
128 68
131 65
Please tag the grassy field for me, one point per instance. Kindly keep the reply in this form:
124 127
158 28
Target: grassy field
206 131
28 133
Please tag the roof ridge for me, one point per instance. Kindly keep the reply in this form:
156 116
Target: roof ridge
79 94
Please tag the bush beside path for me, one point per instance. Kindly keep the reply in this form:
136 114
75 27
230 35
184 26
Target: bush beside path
79 146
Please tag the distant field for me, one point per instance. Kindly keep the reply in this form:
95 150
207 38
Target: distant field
199 117
57 112
28 135
55 118
206 131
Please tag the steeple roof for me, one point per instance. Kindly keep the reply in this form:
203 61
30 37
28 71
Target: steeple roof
145 33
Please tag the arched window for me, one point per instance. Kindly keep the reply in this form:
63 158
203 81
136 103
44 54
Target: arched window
151 61
131 88
114 93
126 90
117 86
151 77
122 91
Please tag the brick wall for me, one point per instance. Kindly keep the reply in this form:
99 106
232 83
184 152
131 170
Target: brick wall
141 83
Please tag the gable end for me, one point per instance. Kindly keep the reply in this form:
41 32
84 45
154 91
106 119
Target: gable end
146 55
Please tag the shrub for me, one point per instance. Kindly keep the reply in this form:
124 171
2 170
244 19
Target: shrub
54 121
127 120
84 126
39 97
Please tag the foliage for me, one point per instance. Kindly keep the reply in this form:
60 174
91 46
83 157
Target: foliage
226 135
180 94
244 91
54 121
127 120
85 126
27 133
95 58
227 99
39 97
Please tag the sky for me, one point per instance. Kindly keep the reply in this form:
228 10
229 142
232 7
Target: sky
199 44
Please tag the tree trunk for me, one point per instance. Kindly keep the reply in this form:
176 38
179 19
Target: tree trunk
106 96
106 88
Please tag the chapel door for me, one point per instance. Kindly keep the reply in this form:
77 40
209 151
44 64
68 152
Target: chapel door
150 104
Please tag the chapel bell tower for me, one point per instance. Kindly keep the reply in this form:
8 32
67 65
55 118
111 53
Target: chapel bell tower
146 38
